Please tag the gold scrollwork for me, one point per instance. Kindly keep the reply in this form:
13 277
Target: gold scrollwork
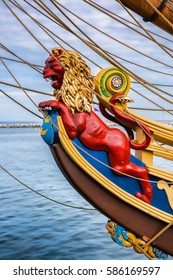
163 185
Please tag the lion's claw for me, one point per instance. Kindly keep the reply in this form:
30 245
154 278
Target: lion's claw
49 104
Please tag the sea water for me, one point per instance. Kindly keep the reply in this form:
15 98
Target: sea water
35 228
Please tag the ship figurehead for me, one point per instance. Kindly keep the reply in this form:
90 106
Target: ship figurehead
74 92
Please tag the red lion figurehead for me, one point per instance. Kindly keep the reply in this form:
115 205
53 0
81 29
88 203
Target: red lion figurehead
74 90
71 79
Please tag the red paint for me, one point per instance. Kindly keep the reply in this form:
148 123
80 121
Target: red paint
54 70
96 135
129 119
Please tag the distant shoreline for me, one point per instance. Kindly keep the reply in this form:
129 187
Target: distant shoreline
19 125
32 125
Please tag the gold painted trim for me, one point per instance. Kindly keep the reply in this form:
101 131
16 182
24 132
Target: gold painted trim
161 132
159 151
70 149
166 175
162 185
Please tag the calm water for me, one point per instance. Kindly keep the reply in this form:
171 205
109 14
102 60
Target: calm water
32 227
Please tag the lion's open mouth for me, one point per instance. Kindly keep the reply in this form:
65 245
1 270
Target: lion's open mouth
52 79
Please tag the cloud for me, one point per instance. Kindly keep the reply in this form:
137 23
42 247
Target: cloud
21 42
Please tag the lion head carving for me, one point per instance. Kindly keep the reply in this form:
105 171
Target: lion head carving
71 79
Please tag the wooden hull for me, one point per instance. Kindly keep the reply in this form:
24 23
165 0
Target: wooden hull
143 9
111 206
111 194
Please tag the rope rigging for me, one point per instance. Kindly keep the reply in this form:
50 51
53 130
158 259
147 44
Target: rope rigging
20 59
96 159
149 37
64 25
20 104
144 96
139 247
105 34
48 31
18 82
106 55
42 195
94 63
28 89
117 17
167 100
119 65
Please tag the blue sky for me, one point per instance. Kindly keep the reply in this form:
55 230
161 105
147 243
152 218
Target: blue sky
15 37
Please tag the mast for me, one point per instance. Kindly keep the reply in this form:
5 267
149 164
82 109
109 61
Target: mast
159 12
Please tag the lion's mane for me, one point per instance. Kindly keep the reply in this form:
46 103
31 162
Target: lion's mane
78 86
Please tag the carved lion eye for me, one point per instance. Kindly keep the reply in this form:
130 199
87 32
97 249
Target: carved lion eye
50 64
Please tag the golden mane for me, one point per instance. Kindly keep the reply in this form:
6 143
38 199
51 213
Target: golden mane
78 86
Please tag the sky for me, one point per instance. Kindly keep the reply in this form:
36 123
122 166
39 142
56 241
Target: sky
19 40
